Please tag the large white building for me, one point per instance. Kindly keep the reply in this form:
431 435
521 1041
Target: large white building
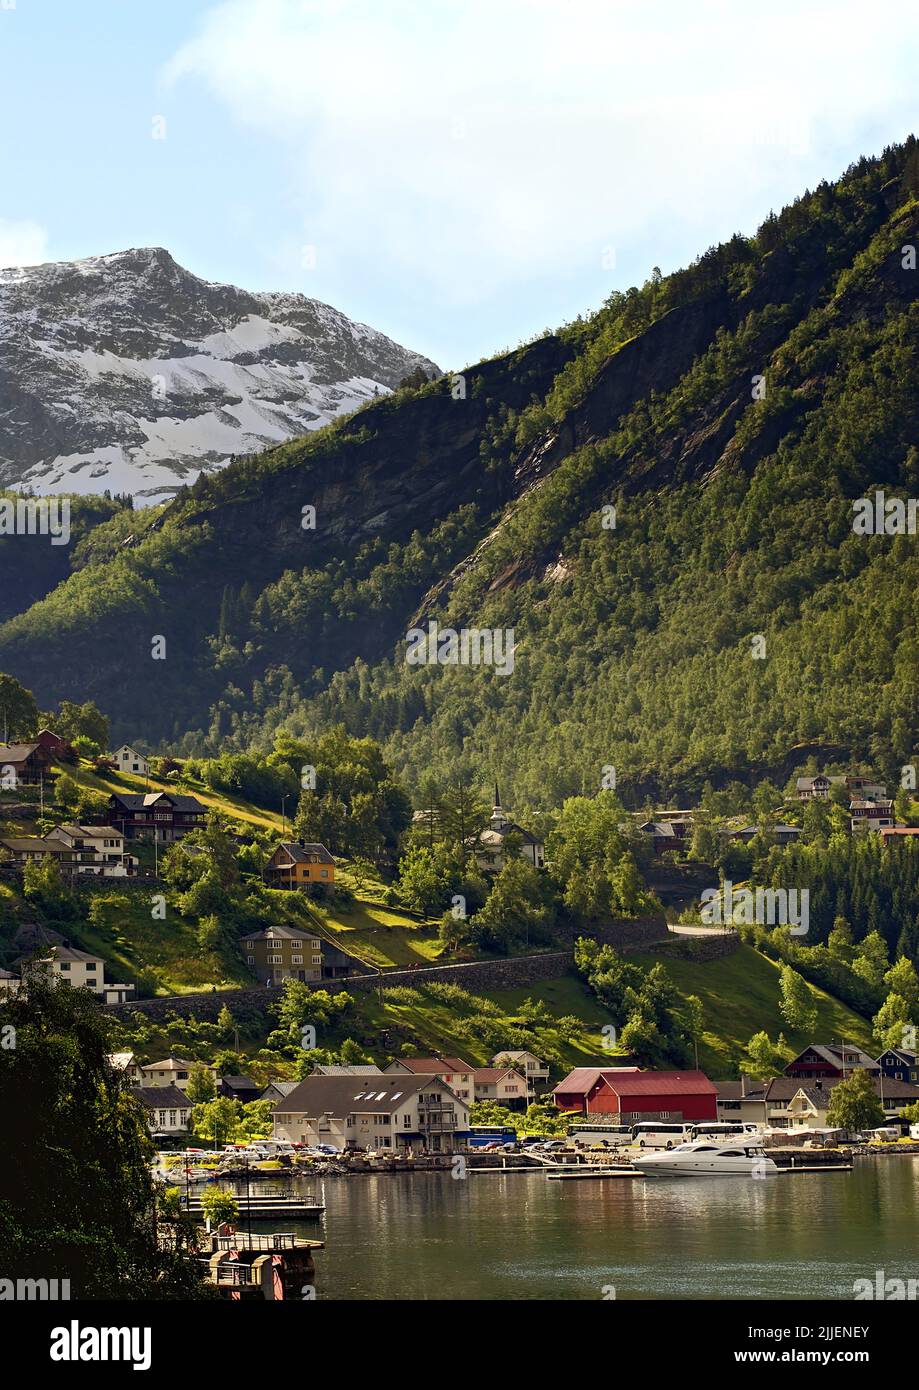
373 1112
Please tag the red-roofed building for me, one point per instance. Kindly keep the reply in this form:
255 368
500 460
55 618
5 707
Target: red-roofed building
631 1095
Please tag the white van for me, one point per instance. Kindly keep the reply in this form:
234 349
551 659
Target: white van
652 1134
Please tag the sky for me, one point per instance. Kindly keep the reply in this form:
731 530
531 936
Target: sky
459 175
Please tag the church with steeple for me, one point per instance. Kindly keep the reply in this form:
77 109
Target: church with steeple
490 850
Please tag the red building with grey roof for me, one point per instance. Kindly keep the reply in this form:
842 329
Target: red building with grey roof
627 1095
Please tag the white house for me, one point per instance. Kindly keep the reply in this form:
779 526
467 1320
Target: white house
95 850
172 1071
168 1110
489 850
535 1071
126 760
373 1112
503 1085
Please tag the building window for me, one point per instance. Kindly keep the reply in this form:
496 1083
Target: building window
296 960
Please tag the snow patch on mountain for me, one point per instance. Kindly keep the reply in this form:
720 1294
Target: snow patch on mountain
127 373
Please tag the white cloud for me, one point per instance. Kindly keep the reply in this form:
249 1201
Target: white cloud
483 143
22 243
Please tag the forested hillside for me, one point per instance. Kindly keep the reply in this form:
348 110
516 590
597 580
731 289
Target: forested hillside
730 413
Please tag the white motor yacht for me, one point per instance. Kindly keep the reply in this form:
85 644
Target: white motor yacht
706 1158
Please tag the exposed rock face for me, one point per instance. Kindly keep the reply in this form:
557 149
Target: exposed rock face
128 373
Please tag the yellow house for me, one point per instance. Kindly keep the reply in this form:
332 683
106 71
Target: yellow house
296 864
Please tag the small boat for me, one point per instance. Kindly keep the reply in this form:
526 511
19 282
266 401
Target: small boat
703 1158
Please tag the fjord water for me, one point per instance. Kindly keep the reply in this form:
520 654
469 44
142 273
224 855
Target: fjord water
514 1236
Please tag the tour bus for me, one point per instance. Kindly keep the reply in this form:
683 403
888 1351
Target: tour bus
653 1134
713 1129
599 1136
481 1136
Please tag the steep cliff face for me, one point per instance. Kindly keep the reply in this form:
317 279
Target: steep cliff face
731 412
127 373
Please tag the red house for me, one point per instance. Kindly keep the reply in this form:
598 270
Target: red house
628 1095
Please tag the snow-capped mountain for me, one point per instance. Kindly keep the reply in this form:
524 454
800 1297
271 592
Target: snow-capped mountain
128 373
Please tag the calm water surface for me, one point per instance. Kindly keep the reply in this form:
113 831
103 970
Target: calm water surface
519 1236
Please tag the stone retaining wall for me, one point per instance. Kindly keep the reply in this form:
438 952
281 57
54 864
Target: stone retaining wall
479 974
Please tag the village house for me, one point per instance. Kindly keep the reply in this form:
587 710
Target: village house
453 1071
377 1112
293 953
278 1090
632 1095
127 1065
899 1065
54 744
241 1088
501 1085
94 850
535 1071
793 1105
126 760
25 765
871 815
830 1060
779 833
173 1071
78 969
742 1100
628 1095
296 864
669 830
489 851
168 1110
80 850
163 816
889 832
819 788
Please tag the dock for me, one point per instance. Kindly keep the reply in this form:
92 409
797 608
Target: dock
266 1208
571 1172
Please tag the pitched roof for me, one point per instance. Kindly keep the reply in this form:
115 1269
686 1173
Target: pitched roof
283 1088
171 1064
142 801
162 1097
240 1083
336 1069
744 1088
835 1056
290 933
487 1076
658 1083
17 752
305 853
580 1080
89 832
434 1066
340 1096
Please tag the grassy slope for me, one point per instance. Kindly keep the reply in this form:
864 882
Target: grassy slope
740 997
